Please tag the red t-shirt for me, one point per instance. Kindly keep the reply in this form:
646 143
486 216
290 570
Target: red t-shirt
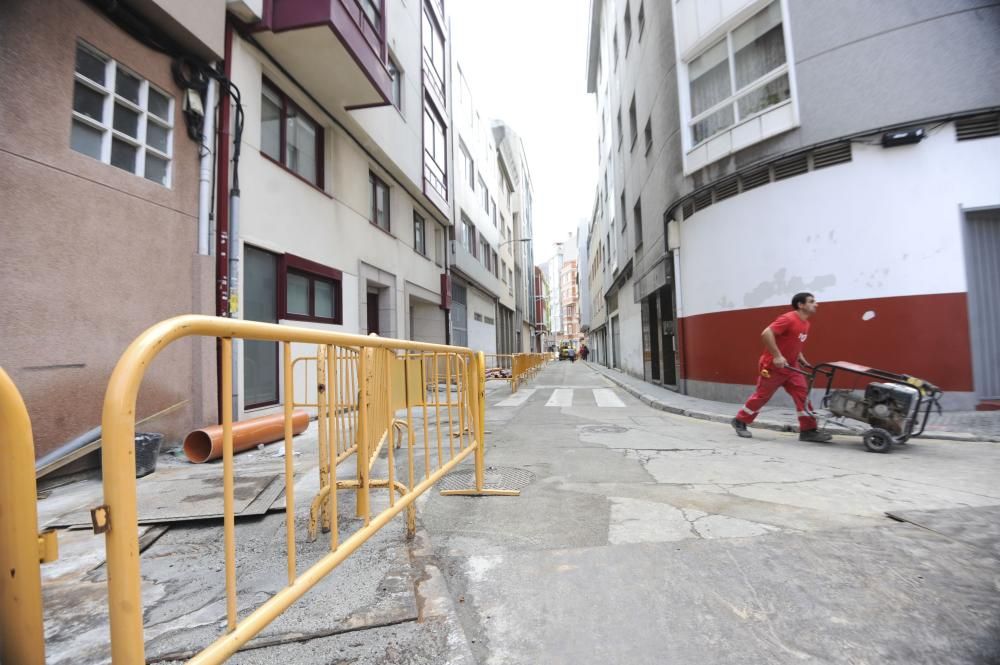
790 334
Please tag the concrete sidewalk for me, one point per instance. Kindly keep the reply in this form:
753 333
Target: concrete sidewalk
949 426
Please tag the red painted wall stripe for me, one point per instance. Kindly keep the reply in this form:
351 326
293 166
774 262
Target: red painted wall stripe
926 336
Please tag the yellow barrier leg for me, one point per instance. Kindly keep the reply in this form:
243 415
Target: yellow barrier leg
22 635
477 399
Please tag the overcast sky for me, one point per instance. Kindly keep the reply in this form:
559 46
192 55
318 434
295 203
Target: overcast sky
525 61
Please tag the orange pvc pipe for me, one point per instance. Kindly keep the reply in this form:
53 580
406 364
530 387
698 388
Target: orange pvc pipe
203 445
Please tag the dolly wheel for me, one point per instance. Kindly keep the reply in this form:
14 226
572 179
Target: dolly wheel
878 440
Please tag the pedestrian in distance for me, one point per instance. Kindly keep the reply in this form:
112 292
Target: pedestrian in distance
584 352
783 342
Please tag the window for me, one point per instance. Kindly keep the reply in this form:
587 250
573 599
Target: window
372 10
397 83
628 26
493 211
621 134
614 47
468 235
484 252
637 221
433 40
419 234
494 263
633 123
435 151
289 136
642 18
468 166
486 192
121 119
739 76
649 135
478 317
312 291
623 214
380 202
503 271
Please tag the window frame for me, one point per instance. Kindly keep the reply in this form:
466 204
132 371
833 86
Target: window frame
290 263
374 183
287 102
419 222
106 124
627 23
435 171
637 222
732 100
469 164
633 123
396 83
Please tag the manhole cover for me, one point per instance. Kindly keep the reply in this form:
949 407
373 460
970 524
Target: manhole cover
604 429
494 478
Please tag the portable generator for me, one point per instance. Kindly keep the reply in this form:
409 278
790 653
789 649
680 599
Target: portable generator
896 406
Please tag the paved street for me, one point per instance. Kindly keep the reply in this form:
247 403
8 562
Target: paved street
639 537
646 537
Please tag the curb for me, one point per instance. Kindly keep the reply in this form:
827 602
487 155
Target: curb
772 425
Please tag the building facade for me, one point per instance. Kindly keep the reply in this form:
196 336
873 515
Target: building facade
527 337
481 258
345 187
99 185
750 150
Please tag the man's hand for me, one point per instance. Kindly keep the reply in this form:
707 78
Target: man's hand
780 362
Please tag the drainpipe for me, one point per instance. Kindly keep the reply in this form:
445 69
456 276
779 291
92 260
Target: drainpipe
679 336
222 213
205 170
234 287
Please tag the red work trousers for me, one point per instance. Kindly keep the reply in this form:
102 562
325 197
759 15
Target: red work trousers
794 384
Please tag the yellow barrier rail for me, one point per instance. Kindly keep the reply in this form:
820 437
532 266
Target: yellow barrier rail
365 381
525 366
22 548
515 368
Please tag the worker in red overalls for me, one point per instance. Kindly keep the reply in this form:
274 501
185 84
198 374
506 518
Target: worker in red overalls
783 342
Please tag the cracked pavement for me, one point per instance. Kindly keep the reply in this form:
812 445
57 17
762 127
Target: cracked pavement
653 538
640 537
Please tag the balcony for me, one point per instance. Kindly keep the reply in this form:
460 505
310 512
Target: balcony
334 48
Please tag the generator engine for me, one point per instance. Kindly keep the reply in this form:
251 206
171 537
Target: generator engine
884 405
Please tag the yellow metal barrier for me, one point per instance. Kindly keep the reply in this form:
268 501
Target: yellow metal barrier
525 366
361 379
22 548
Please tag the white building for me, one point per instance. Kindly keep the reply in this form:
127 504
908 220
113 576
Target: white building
756 148
344 175
481 259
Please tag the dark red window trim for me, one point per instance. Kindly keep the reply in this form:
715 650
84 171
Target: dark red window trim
289 263
286 103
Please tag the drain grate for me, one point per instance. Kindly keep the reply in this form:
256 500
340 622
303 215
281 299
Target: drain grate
603 429
494 478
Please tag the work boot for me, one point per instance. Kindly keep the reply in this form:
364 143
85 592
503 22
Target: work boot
741 428
815 436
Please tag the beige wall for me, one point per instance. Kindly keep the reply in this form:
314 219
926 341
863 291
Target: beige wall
92 255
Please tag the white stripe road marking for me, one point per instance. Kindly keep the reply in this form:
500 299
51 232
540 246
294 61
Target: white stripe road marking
518 398
561 397
607 397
